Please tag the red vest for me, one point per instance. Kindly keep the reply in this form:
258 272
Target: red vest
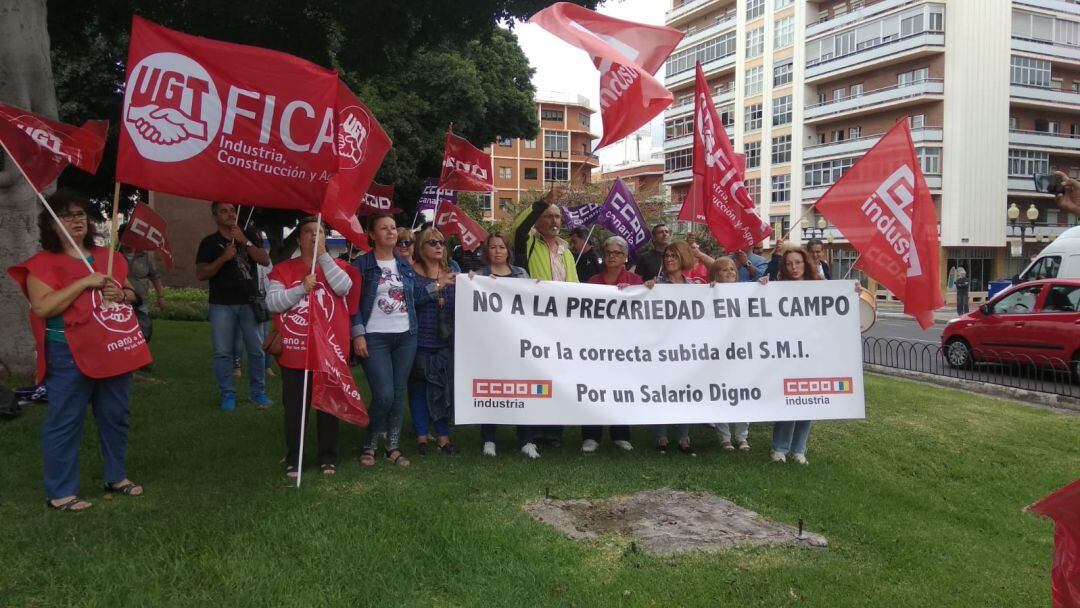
104 340
293 323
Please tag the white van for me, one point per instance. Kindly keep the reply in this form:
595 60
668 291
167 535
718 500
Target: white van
1060 259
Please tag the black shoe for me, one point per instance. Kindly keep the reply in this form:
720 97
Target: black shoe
421 448
448 449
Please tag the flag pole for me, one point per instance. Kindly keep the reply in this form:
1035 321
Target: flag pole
852 267
801 216
307 372
63 229
113 226
587 239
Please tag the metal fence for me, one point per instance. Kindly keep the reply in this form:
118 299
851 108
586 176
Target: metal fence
1034 373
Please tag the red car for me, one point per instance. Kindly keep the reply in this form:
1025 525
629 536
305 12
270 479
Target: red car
1036 322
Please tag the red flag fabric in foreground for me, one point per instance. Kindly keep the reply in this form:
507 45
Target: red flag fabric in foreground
146 231
883 207
627 55
1063 507
692 213
43 147
464 167
218 121
453 220
333 389
718 187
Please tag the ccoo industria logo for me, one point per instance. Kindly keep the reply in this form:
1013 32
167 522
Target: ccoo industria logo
517 389
818 386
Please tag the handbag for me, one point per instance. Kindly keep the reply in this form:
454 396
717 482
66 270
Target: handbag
272 343
259 309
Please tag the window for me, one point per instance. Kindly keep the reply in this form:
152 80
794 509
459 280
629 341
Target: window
753 81
678 160
826 172
1030 72
913 77
530 144
1043 125
779 4
783 220
917 121
839 135
504 142
1019 302
754 9
556 171
856 90
930 159
1012 123
781 149
874 33
505 173
753 188
784 32
937 22
485 201
585 119
678 127
781 110
911 25
530 173
705 52
1025 163
752 150
753 117
546 114
506 204
782 72
727 115
1043 268
781 188
854 132
556 141
1062 298
1067 32
755 42
1032 27
844 44
838 94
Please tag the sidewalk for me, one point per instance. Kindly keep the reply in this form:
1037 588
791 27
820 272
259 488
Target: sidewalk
895 310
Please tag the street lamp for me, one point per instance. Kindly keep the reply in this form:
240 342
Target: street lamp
818 232
1032 214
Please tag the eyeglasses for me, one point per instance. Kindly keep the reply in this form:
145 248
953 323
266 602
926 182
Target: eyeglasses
71 216
435 243
614 254
671 256
404 243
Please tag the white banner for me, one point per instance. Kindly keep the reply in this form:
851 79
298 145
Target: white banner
566 353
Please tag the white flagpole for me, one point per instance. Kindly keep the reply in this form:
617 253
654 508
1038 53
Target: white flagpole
307 372
63 229
852 267
587 239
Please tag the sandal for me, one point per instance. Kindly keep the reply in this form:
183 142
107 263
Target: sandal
128 489
367 458
727 446
328 469
399 459
291 472
662 448
686 449
69 505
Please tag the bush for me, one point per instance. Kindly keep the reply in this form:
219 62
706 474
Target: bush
183 304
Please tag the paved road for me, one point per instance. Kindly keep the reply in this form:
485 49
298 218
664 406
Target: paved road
906 329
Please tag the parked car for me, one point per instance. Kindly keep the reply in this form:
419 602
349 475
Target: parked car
1037 322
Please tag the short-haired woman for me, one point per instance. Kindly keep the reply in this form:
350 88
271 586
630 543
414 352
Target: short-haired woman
81 360
724 270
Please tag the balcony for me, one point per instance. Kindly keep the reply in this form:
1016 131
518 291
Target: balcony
678 177
687 76
687 106
811 194
1058 143
1026 95
849 147
1045 47
689 9
1024 184
587 158
895 50
1057 6
1051 231
857 16
897 95
705 33
679 142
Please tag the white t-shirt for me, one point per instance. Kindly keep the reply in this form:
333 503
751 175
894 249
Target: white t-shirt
390 314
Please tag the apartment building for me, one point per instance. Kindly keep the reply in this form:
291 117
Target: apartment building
560 152
806 87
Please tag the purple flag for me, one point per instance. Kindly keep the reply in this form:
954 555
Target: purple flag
582 215
427 199
621 215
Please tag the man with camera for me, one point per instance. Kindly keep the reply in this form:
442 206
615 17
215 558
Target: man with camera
228 259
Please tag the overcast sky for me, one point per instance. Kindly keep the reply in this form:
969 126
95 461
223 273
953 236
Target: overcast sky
564 68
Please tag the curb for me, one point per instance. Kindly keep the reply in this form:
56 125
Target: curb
1058 403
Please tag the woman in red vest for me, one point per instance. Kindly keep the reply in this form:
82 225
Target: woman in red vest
291 291
87 342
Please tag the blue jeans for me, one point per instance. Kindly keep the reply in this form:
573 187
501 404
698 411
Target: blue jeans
790 436
225 321
387 367
421 418
69 394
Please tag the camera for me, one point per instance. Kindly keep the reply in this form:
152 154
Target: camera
1049 183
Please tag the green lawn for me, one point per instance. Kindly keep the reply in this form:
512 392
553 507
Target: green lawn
921 504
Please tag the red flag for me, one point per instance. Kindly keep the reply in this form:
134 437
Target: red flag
146 231
453 220
43 147
333 389
883 207
464 167
690 213
379 199
627 55
1063 507
718 187
218 121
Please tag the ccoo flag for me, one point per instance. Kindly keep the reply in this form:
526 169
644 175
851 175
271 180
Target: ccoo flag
146 231
42 148
464 167
452 219
883 207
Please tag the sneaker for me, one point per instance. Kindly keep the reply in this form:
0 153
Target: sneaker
778 457
489 449
744 446
800 458
529 449
589 446
228 403
261 400
623 445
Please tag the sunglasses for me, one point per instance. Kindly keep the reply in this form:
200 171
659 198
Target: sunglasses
404 243
435 243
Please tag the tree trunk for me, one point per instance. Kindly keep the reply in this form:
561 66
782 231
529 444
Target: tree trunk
26 81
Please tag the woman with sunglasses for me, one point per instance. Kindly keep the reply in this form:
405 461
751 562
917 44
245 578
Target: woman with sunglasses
431 388
384 332
87 342
405 245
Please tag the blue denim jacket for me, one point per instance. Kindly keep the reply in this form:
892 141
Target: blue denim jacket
370 273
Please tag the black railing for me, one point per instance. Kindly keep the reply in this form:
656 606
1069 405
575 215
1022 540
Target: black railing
1033 373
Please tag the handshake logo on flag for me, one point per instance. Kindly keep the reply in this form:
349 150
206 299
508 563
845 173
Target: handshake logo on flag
171 109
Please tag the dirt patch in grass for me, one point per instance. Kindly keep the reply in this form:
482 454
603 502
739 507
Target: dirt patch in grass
668 522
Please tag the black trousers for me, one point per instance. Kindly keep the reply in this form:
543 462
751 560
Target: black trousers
596 433
292 386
